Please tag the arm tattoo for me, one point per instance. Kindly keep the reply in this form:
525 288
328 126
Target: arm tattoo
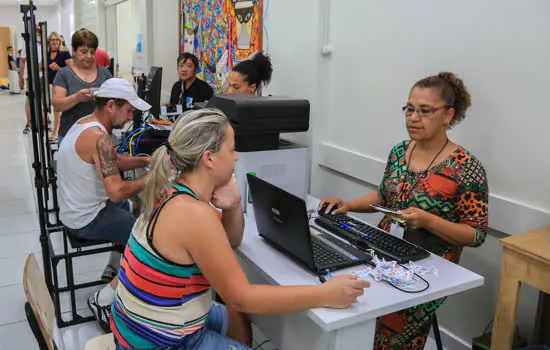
107 156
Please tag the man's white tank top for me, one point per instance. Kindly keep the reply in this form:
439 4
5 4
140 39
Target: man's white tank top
82 194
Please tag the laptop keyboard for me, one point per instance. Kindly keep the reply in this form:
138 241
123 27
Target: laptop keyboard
326 257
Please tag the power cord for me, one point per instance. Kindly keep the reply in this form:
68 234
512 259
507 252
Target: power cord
409 291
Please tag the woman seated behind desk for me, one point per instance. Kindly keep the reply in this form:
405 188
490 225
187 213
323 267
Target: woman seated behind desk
441 189
247 76
182 246
188 85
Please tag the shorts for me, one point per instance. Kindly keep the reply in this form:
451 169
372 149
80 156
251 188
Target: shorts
210 337
113 223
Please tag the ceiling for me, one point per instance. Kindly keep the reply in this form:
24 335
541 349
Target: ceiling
36 2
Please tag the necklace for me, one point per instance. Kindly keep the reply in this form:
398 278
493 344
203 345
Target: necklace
416 179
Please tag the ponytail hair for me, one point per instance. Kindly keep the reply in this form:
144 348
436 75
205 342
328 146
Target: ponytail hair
193 133
452 90
256 70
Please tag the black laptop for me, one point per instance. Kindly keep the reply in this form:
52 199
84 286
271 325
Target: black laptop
282 221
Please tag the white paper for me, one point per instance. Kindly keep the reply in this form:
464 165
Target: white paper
397 230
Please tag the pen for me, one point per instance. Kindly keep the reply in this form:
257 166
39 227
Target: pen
329 273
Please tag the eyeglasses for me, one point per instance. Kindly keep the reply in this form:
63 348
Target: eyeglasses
55 40
423 111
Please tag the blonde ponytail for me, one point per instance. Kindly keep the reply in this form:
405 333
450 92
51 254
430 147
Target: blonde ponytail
193 133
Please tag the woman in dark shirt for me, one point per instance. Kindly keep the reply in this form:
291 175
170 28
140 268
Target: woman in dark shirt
189 89
57 59
248 76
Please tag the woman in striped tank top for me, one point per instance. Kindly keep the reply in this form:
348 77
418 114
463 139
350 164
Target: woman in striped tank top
181 247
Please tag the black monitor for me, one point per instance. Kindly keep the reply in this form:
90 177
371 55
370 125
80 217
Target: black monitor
259 120
153 90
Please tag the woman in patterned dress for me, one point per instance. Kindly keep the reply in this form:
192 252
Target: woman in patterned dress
441 189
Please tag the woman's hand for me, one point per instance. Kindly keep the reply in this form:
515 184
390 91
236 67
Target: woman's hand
416 218
84 95
227 196
54 66
337 204
343 290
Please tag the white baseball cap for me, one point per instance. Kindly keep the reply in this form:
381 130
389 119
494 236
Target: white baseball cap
121 89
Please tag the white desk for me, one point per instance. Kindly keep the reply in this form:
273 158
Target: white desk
351 328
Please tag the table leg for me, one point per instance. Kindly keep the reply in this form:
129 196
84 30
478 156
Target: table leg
359 336
504 323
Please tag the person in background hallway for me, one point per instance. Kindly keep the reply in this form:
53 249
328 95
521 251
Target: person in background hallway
248 76
441 189
18 59
102 58
23 77
71 91
57 60
63 44
181 247
13 72
189 89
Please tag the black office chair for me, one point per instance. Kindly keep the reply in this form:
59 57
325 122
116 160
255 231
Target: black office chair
78 244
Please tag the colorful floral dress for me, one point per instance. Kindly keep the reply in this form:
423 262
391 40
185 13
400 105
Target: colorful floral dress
455 190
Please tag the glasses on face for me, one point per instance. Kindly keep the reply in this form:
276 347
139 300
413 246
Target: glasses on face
425 111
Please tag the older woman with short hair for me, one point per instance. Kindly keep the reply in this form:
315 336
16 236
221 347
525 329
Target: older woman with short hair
71 92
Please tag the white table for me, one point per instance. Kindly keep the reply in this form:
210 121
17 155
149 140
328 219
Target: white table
322 328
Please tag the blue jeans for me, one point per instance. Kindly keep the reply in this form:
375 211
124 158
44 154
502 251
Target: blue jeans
210 337
112 224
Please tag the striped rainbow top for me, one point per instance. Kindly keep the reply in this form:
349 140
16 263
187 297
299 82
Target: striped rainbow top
157 302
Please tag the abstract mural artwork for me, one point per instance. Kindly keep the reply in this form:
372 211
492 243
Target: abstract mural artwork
221 33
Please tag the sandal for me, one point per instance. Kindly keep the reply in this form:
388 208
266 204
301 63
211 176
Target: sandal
27 129
52 138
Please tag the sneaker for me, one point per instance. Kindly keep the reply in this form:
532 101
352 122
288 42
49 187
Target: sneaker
108 274
101 313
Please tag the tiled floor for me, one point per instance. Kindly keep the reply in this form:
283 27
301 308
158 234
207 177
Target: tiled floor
19 236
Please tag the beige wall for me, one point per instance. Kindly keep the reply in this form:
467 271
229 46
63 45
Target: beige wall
4 43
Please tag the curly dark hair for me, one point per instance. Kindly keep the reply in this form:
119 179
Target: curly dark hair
452 90
256 70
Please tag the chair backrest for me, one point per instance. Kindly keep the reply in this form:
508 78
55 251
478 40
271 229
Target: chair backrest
39 299
104 342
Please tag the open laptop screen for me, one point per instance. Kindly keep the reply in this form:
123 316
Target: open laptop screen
282 219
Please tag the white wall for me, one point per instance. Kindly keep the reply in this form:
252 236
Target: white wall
379 50
165 38
12 16
66 20
126 38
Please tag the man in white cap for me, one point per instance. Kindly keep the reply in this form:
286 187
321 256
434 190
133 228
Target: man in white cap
93 199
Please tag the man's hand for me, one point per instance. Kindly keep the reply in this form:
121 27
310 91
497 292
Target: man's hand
227 196
416 218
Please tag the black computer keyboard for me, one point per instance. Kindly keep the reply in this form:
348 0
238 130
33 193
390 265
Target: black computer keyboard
368 237
326 257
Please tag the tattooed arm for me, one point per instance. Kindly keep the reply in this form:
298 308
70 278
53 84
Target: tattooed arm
105 160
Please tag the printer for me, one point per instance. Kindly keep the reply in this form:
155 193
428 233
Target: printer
258 122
